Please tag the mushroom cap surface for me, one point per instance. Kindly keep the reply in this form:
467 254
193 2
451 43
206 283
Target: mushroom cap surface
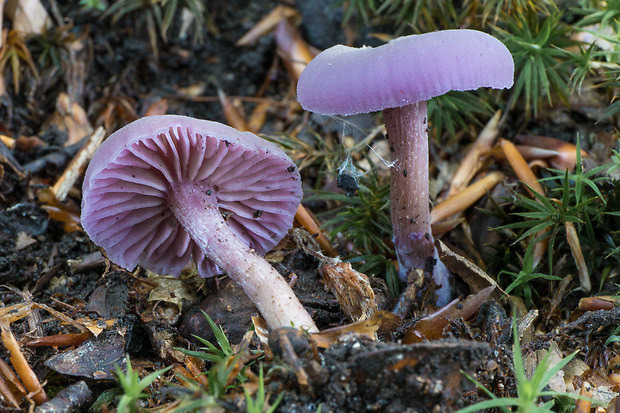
125 200
345 81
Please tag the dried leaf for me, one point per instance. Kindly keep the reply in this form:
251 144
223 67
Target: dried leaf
473 275
445 226
68 214
565 153
293 49
233 116
159 107
543 151
8 141
173 290
366 328
267 24
601 302
539 248
60 340
262 332
474 159
182 371
94 359
554 356
16 387
95 327
432 326
23 240
465 198
70 117
70 219
28 143
20 364
258 116
575 247
529 153
7 394
192 91
351 288
195 367
29 16
520 166
584 405
15 312
526 175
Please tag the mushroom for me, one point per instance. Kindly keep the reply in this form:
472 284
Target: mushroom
166 188
398 78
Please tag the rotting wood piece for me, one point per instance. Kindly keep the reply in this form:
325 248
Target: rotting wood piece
67 400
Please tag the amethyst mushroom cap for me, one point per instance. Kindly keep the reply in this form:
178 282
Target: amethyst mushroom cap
398 78
165 189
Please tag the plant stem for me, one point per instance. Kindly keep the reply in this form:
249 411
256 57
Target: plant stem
196 208
409 194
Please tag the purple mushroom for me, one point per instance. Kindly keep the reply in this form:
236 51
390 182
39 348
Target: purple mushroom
165 189
398 78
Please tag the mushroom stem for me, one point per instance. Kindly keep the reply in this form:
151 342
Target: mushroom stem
196 209
410 204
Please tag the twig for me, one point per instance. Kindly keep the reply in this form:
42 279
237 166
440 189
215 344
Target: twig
591 321
76 166
67 400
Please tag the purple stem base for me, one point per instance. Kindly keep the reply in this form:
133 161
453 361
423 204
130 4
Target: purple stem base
410 203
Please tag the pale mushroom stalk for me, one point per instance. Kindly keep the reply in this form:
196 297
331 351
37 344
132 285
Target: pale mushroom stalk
165 190
406 128
195 207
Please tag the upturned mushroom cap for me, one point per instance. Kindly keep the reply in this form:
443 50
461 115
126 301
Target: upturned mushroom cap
345 81
125 204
